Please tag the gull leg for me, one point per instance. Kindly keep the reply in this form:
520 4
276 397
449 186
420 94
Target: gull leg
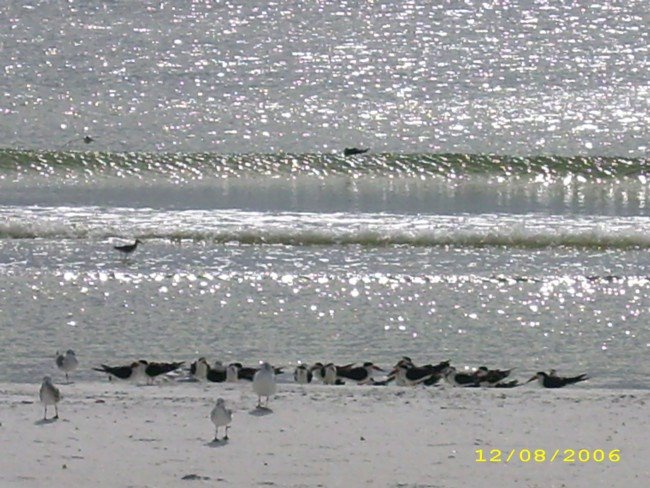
259 402
226 436
45 414
56 411
216 435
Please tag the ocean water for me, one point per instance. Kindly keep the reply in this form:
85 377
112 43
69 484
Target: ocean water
501 216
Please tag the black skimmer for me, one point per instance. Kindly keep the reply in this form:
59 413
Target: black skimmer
455 378
221 417
352 151
400 377
438 372
360 374
302 374
247 372
232 372
244 372
318 370
202 371
127 249
152 370
199 369
328 373
264 383
134 371
554 381
67 362
49 395
407 374
88 139
491 377
216 373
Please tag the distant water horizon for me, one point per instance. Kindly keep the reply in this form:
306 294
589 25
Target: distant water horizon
520 78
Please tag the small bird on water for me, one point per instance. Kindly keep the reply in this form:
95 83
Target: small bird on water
264 383
127 249
67 362
49 395
353 151
221 417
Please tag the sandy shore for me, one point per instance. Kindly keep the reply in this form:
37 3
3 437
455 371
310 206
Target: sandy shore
122 435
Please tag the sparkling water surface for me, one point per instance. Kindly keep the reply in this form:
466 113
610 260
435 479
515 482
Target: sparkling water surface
500 217
511 77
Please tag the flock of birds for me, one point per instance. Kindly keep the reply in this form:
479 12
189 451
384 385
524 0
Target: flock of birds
263 378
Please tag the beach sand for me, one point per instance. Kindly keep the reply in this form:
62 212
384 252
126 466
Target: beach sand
122 435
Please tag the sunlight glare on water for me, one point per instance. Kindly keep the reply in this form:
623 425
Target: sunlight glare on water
516 77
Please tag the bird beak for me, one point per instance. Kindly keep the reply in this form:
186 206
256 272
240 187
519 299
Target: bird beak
376 368
532 379
393 372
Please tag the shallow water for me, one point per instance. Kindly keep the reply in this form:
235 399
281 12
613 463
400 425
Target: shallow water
500 217
525 308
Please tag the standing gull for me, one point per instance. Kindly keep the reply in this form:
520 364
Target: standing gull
221 416
67 362
49 395
264 383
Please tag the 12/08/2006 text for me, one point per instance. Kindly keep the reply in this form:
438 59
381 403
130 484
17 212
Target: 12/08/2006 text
569 456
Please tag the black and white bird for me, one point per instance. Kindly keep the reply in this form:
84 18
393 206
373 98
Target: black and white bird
49 395
491 377
221 417
127 249
132 372
202 371
264 383
328 373
153 370
407 374
456 378
232 372
302 374
199 369
554 381
67 362
360 374
244 372
248 372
